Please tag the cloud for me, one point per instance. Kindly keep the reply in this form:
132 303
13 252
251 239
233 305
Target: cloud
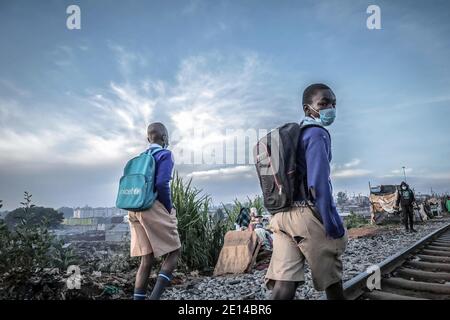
352 163
109 124
349 173
106 128
400 171
127 60
226 172
349 170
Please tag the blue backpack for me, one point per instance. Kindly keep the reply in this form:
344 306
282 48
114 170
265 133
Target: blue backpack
136 187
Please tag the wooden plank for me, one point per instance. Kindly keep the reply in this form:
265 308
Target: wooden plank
382 295
431 266
417 285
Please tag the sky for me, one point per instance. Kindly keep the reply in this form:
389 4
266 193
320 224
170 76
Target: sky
75 104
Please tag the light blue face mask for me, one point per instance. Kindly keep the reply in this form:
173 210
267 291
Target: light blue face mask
327 116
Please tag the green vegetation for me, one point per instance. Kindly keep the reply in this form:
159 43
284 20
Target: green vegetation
29 247
34 216
341 198
354 220
201 236
257 202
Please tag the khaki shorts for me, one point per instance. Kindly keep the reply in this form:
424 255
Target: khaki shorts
322 253
153 231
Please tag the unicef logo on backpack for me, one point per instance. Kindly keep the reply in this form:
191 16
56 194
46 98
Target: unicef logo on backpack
130 192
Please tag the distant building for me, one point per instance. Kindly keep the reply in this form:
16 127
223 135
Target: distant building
80 221
89 212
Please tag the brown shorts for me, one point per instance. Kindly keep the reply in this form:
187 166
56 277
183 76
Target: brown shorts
153 231
322 253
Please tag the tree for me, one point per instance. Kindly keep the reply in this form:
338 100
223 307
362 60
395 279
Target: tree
341 198
30 215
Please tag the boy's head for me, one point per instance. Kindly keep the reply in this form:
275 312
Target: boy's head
157 133
317 97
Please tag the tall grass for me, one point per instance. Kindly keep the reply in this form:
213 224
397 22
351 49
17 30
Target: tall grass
257 203
201 236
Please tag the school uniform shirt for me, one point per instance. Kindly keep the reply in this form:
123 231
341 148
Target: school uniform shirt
163 174
314 155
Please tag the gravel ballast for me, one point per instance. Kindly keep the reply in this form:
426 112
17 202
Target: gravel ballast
360 254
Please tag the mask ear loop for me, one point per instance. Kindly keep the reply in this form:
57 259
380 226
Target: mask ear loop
310 106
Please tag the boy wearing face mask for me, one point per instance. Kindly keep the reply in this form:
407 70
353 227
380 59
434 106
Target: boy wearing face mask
406 199
154 231
312 229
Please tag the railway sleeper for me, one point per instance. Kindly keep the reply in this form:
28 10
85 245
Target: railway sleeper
385 295
427 276
431 258
438 248
429 266
436 253
441 289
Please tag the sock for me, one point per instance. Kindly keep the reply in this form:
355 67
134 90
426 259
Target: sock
161 283
139 294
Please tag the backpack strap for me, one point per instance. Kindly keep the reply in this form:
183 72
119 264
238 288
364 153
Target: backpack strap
155 150
309 125
152 151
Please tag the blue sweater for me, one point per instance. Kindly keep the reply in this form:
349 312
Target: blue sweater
163 175
314 155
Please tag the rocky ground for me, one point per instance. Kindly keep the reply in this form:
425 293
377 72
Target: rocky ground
366 246
108 275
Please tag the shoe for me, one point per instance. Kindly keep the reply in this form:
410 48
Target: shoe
413 230
407 230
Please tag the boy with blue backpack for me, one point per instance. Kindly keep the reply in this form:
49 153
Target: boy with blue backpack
144 191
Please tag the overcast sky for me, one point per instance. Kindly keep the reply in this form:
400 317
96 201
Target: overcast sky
75 104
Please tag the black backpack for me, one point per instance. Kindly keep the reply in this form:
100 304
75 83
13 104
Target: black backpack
275 157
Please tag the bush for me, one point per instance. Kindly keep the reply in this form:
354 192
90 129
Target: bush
29 247
34 216
354 220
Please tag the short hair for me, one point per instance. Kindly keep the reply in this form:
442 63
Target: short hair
311 90
156 131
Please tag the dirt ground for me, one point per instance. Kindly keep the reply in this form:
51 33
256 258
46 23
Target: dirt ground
365 231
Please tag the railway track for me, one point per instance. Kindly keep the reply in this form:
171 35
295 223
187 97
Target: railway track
419 272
